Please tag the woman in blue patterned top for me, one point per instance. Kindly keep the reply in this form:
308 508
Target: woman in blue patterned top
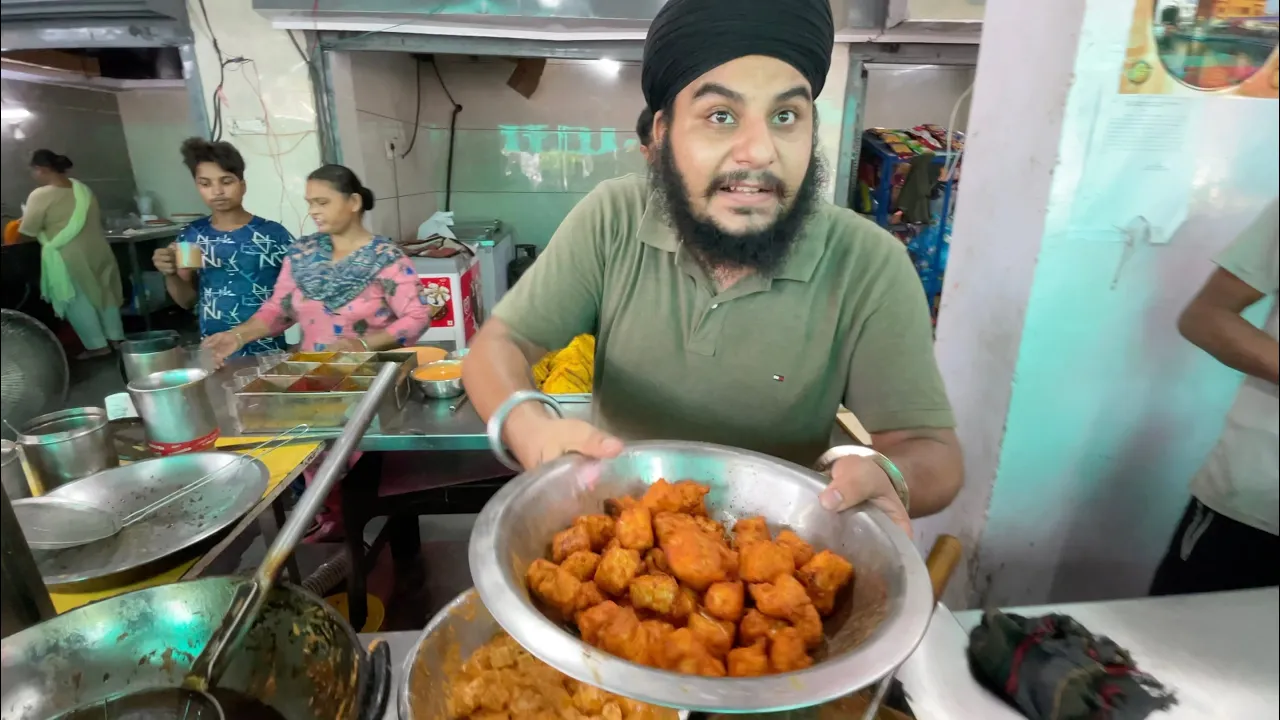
241 253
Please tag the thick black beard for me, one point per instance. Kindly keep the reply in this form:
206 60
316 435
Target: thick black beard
763 250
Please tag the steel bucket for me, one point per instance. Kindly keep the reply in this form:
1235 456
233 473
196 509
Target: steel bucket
144 354
300 658
64 446
176 411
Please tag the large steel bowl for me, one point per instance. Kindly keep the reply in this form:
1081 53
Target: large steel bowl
875 628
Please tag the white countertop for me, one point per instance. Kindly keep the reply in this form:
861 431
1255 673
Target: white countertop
1220 653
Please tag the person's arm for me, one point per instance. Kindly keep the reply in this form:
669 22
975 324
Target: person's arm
557 299
32 223
896 391
409 305
1247 273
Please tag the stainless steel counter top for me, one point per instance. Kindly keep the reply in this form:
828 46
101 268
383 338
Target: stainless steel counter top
141 234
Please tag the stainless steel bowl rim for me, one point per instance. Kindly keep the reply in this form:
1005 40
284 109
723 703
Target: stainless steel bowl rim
168 380
879 655
29 434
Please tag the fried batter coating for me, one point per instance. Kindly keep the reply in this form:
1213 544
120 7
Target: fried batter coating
581 564
715 635
655 562
801 551
616 569
757 626
569 541
749 530
554 585
599 529
695 558
634 529
808 622
724 600
780 599
685 496
763 561
787 651
750 661
826 573
655 593
683 653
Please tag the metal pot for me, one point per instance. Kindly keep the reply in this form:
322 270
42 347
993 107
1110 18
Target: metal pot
176 411
67 445
300 658
151 352
13 477
874 629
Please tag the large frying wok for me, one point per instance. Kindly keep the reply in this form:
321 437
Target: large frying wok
299 657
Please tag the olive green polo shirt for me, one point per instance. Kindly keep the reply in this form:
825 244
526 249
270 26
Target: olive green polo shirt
763 365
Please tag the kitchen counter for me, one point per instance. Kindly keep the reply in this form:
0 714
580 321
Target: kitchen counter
145 233
1218 652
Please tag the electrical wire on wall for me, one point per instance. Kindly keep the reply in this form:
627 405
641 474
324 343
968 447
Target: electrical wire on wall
215 126
453 131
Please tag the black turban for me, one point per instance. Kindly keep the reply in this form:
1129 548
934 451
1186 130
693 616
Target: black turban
690 37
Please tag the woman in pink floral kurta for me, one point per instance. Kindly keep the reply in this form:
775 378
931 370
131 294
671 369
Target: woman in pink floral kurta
347 289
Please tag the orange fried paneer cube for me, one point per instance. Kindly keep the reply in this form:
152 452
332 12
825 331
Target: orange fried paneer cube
683 653
581 564
787 651
729 560
685 605
807 621
569 541
655 593
750 530
659 631
666 524
625 637
825 575
724 600
709 526
655 562
588 596
801 551
593 620
762 561
757 626
634 529
616 570
750 661
781 599
554 586
695 558
715 635
599 529
685 496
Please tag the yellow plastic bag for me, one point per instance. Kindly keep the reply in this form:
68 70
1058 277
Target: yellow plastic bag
569 370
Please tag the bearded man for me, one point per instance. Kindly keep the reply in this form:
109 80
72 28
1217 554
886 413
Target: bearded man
730 304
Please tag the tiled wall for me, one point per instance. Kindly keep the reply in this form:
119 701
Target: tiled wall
526 161
82 124
155 124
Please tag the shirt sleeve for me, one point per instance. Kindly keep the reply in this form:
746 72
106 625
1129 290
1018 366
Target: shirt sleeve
33 217
559 296
408 303
894 383
1254 256
277 312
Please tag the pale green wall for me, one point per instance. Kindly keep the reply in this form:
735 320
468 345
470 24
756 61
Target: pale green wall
155 124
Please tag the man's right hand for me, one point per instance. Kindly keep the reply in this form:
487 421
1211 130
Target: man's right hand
166 259
555 437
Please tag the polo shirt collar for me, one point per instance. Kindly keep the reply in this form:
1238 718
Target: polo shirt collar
800 265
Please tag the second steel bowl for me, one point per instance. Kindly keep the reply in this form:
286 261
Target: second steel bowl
874 629
439 389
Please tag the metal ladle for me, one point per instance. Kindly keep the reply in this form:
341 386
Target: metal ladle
251 596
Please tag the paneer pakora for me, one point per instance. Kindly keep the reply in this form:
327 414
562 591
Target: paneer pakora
657 581
502 681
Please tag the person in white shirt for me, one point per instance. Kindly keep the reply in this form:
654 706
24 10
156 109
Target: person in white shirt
1227 539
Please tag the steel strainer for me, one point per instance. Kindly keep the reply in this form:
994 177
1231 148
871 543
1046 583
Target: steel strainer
34 377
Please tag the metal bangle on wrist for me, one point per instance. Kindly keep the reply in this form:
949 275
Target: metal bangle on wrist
898 482
499 418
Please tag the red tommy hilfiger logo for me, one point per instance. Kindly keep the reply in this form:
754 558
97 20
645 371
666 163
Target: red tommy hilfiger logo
779 378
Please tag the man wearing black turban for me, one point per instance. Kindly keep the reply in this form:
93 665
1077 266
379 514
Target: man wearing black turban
729 304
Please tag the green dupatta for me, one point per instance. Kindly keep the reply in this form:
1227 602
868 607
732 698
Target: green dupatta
55 279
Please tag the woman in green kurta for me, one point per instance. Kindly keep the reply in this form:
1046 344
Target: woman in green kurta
78 272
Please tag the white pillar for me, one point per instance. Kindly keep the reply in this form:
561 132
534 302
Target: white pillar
1082 412
268 108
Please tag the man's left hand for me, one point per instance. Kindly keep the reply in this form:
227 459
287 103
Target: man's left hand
855 480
